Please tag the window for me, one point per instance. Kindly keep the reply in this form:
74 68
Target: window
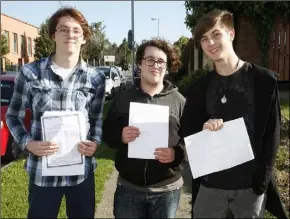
115 74
32 46
6 34
22 43
29 47
106 71
15 43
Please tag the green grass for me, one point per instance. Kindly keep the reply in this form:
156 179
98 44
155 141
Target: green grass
285 108
14 182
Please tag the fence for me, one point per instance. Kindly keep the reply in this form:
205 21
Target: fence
278 59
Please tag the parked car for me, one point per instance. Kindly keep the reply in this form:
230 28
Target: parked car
123 79
9 149
9 72
113 80
125 67
117 67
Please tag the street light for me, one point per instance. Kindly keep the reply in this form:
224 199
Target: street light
156 19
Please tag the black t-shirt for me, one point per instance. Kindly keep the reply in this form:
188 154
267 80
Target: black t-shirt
238 90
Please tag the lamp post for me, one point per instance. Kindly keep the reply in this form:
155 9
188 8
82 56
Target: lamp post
156 19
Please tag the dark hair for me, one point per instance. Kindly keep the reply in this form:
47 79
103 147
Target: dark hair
224 17
71 12
173 61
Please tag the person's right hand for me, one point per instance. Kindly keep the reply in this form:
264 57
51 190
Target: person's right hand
213 124
42 148
129 134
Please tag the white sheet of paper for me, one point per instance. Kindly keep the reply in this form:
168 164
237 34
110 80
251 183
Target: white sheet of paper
153 122
68 129
213 151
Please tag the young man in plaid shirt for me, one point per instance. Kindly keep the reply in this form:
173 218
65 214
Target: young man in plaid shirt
60 82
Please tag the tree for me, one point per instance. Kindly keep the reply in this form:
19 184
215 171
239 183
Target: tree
181 43
4 45
123 53
262 14
44 46
261 11
97 44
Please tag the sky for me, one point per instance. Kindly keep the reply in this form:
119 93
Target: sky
116 16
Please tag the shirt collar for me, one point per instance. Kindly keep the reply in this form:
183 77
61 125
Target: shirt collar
82 65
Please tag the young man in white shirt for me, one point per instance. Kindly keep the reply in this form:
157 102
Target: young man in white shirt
60 82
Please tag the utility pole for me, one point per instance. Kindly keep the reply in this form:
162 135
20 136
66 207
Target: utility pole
125 52
60 3
133 42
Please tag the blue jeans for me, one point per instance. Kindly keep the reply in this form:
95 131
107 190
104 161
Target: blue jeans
44 202
130 203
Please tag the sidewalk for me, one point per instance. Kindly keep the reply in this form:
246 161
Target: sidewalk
105 207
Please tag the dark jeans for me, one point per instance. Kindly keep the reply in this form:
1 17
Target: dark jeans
218 203
44 202
129 203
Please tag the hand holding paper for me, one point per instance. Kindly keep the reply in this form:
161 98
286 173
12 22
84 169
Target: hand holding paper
42 148
87 148
213 124
129 134
164 155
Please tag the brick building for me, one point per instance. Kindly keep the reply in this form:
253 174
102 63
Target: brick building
20 37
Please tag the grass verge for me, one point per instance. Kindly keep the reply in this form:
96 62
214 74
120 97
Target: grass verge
14 182
285 108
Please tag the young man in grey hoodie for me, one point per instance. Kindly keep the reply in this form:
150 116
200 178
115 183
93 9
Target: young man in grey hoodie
147 188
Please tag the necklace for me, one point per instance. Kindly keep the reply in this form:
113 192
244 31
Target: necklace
224 98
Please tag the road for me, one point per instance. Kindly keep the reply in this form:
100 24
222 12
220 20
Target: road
128 74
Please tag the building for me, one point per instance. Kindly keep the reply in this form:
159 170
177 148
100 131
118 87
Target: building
20 36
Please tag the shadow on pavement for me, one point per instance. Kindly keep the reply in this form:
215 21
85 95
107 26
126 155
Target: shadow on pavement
187 178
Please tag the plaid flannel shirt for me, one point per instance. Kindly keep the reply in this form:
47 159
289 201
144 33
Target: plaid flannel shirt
38 88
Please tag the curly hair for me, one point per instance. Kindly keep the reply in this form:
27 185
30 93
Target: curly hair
71 12
173 61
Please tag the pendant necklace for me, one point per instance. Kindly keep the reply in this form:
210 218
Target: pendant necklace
224 98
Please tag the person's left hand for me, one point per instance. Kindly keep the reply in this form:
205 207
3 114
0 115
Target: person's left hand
87 148
164 155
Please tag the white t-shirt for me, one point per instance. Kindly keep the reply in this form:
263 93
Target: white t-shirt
65 73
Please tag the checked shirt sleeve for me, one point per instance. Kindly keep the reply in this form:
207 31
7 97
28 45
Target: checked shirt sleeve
96 108
16 111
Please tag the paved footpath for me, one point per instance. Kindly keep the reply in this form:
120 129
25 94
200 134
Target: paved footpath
105 207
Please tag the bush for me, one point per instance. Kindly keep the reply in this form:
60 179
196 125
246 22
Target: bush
187 80
174 77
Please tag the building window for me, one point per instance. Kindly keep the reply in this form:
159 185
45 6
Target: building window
23 46
29 47
15 43
6 34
